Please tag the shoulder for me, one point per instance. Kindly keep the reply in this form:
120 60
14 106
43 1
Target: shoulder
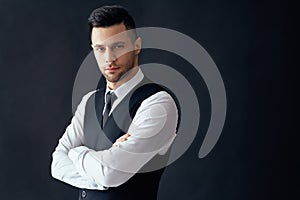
160 97
151 91
89 94
86 97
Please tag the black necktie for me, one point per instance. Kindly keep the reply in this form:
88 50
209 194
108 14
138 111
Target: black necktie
107 107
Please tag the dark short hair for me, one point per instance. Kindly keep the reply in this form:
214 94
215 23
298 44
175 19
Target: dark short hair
106 16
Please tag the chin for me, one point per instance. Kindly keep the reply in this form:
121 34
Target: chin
112 79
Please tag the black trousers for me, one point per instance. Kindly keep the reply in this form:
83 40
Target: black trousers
142 186
85 194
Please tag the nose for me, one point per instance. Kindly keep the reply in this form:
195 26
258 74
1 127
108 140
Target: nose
109 56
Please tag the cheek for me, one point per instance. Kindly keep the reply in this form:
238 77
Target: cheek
100 61
100 65
127 58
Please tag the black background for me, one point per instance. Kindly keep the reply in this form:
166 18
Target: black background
43 44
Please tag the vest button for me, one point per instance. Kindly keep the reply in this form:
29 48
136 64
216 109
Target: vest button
83 193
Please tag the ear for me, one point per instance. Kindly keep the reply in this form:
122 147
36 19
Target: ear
138 45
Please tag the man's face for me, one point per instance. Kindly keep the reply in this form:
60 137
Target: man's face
115 55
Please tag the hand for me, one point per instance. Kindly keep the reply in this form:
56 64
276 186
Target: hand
121 139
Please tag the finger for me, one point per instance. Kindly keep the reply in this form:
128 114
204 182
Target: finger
115 144
126 136
121 139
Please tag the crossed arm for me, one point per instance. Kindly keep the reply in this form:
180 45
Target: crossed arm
152 133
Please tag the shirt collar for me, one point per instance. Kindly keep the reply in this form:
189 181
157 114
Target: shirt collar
124 89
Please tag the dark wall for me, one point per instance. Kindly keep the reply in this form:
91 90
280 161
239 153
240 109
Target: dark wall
43 44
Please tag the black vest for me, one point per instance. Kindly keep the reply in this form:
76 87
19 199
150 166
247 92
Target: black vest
141 185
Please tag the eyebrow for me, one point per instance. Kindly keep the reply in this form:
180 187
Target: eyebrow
115 43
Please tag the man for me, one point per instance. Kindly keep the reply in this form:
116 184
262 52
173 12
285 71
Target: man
117 143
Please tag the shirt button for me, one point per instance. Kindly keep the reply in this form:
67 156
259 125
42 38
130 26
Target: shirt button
83 194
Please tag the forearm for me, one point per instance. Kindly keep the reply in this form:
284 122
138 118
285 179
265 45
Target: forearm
97 166
63 169
114 166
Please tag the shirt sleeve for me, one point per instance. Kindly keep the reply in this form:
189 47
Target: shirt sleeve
62 167
152 131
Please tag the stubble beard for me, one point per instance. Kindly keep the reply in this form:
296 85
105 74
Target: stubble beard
117 76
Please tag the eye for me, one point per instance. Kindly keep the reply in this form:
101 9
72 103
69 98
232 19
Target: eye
100 49
119 46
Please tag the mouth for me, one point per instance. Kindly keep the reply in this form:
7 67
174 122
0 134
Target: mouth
111 69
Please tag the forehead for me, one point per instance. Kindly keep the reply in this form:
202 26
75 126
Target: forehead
101 35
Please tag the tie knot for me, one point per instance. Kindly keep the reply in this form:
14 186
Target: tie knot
108 97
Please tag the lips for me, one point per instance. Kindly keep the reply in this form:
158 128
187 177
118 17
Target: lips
111 69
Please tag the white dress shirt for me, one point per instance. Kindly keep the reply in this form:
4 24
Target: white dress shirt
152 131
